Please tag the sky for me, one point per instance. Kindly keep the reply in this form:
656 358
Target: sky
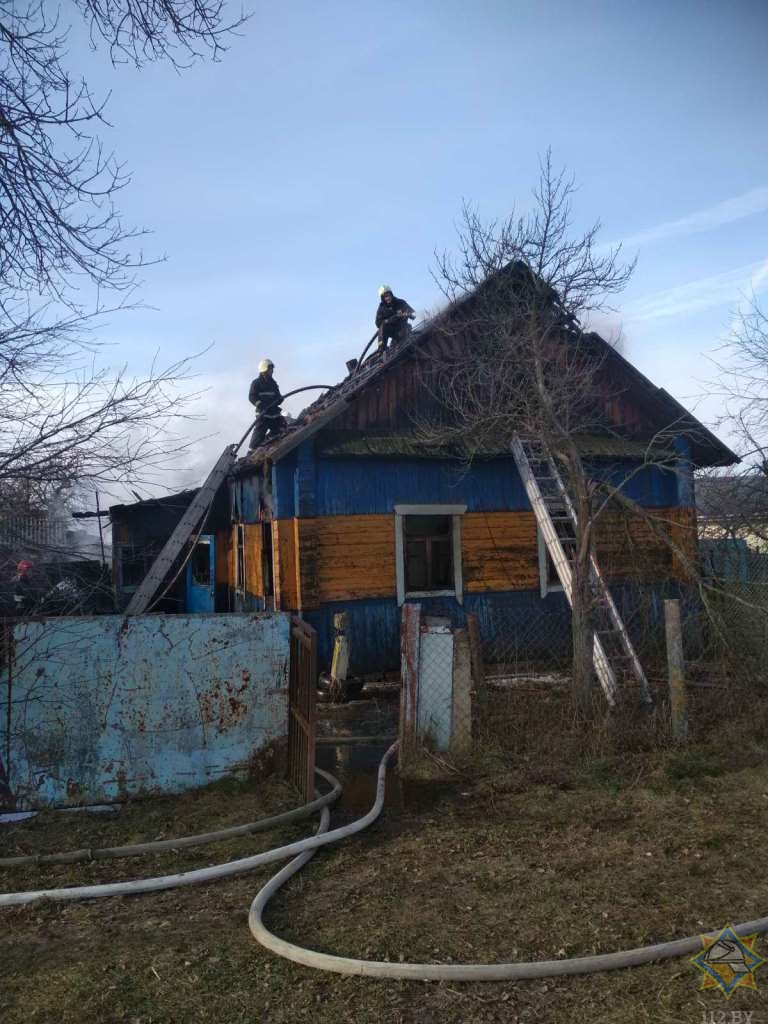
330 149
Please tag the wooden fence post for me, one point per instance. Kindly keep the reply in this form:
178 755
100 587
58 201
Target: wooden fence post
461 717
410 643
676 667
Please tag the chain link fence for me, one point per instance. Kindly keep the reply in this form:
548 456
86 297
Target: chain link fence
500 690
736 576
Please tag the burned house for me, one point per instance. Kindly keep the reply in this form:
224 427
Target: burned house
351 510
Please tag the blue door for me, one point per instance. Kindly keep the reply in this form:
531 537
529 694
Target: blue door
201 575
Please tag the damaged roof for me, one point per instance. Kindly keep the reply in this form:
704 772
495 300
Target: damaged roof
707 449
383 445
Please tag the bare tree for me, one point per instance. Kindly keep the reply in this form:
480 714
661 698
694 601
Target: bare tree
518 289
64 246
57 183
735 505
743 380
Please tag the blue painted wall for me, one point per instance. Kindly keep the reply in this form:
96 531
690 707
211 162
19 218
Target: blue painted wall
245 495
649 486
306 486
107 707
506 618
350 486
515 625
283 487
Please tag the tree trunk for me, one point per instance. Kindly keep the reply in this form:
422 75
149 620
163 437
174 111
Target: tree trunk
582 640
582 626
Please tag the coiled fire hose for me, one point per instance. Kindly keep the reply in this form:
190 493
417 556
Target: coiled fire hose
303 850
451 972
181 842
179 879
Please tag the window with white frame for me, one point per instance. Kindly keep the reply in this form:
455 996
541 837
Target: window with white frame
549 581
428 551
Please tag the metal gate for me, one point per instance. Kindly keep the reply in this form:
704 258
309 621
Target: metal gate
302 697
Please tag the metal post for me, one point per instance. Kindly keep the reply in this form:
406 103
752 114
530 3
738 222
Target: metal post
676 666
101 532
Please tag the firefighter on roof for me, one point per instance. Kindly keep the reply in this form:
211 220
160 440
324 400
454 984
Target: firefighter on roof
392 318
265 395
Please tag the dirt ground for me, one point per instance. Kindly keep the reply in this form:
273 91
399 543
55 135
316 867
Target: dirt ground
527 863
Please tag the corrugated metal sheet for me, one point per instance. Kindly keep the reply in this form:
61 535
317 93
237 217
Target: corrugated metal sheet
107 707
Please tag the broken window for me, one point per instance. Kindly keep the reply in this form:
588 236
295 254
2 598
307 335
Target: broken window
133 564
428 544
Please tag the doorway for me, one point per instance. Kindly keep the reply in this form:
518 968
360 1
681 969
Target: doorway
201 576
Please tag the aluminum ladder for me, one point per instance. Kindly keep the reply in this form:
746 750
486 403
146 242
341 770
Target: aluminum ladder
615 660
185 529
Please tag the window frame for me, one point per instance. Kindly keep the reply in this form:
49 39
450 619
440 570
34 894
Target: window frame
137 551
455 512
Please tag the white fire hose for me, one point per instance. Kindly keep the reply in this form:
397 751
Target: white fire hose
303 850
451 972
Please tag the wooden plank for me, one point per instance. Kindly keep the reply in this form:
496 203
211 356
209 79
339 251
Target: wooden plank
676 665
628 546
223 556
354 557
306 564
254 570
284 564
410 639
461 719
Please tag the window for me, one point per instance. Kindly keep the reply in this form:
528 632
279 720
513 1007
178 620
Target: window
133 565
428 554
428 550
549 581
201 564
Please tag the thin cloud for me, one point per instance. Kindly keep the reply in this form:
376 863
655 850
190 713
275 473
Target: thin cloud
749 204
703 293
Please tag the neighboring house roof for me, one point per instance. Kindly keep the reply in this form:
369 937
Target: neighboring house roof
733 499
667 412
180 500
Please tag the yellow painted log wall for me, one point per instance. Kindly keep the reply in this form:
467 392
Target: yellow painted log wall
499 551
347 558
284 564
254 572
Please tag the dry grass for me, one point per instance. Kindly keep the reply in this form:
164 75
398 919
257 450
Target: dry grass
541 857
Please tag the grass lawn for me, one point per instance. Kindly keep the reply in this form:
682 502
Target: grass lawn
526 863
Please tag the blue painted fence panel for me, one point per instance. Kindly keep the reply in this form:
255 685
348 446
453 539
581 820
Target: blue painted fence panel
106 707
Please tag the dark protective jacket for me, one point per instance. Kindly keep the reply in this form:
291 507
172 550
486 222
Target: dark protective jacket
265 393
386 312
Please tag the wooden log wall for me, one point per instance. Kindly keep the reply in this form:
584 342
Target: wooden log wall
350 558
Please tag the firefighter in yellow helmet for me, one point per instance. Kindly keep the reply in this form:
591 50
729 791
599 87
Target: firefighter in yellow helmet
392 318
265 395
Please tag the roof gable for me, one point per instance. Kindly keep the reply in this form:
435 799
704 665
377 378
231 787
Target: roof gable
383 392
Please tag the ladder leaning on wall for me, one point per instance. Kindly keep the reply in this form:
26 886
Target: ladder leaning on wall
615 660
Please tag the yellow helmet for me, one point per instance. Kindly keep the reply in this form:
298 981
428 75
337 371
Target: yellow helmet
266 364
383 290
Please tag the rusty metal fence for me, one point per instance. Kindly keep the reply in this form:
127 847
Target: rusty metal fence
302 714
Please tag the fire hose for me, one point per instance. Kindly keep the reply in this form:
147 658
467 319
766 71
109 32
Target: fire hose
303 850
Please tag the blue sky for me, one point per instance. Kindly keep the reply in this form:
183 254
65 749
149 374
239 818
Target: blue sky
330 150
